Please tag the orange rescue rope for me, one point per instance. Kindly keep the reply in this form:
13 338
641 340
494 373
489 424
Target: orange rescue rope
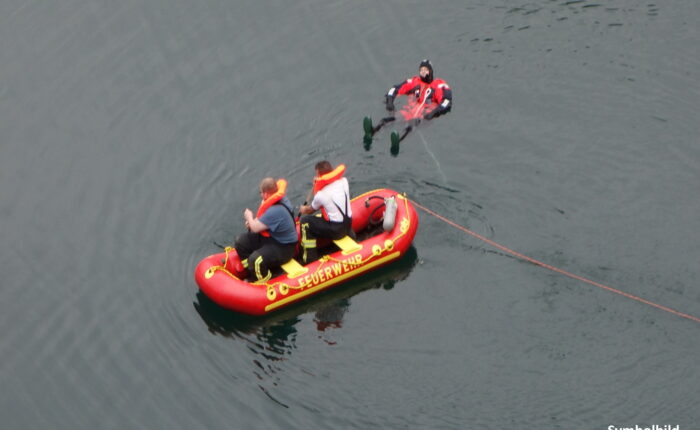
555 269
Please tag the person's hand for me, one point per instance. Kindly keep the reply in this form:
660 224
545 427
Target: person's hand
305 209
389 103
247 214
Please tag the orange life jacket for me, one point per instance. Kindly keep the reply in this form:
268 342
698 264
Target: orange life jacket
321 181
328 178
268 202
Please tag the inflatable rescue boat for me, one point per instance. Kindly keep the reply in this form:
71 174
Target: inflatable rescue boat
384 222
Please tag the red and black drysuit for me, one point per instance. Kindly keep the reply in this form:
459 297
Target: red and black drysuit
427 97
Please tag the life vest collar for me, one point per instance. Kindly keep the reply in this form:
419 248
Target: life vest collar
274 198
328 178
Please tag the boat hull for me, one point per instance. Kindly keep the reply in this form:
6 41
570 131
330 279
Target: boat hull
220 276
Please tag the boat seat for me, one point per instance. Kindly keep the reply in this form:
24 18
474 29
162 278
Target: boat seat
293 268
347 245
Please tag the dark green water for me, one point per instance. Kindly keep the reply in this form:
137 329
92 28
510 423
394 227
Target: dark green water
133 135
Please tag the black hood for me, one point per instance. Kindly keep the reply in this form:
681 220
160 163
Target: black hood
426 63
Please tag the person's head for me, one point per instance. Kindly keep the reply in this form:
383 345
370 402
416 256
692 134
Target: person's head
425 70
323 167
268 187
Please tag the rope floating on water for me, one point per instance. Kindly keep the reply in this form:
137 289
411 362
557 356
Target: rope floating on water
555 269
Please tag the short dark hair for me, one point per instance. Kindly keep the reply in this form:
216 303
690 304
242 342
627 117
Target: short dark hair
323 167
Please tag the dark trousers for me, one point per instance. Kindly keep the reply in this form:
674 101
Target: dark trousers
315 227
260 254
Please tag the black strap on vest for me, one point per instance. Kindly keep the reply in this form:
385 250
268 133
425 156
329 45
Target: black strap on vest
346 218
291 214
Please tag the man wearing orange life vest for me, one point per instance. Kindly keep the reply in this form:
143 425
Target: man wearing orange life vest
332 197
272 236
433 95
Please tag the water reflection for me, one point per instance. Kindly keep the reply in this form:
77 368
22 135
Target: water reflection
272 338
276 333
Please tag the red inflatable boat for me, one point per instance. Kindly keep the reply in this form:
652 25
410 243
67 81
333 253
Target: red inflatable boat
385 224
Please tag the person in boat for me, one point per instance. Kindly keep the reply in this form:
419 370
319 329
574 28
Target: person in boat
272 236
432 95
331 195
